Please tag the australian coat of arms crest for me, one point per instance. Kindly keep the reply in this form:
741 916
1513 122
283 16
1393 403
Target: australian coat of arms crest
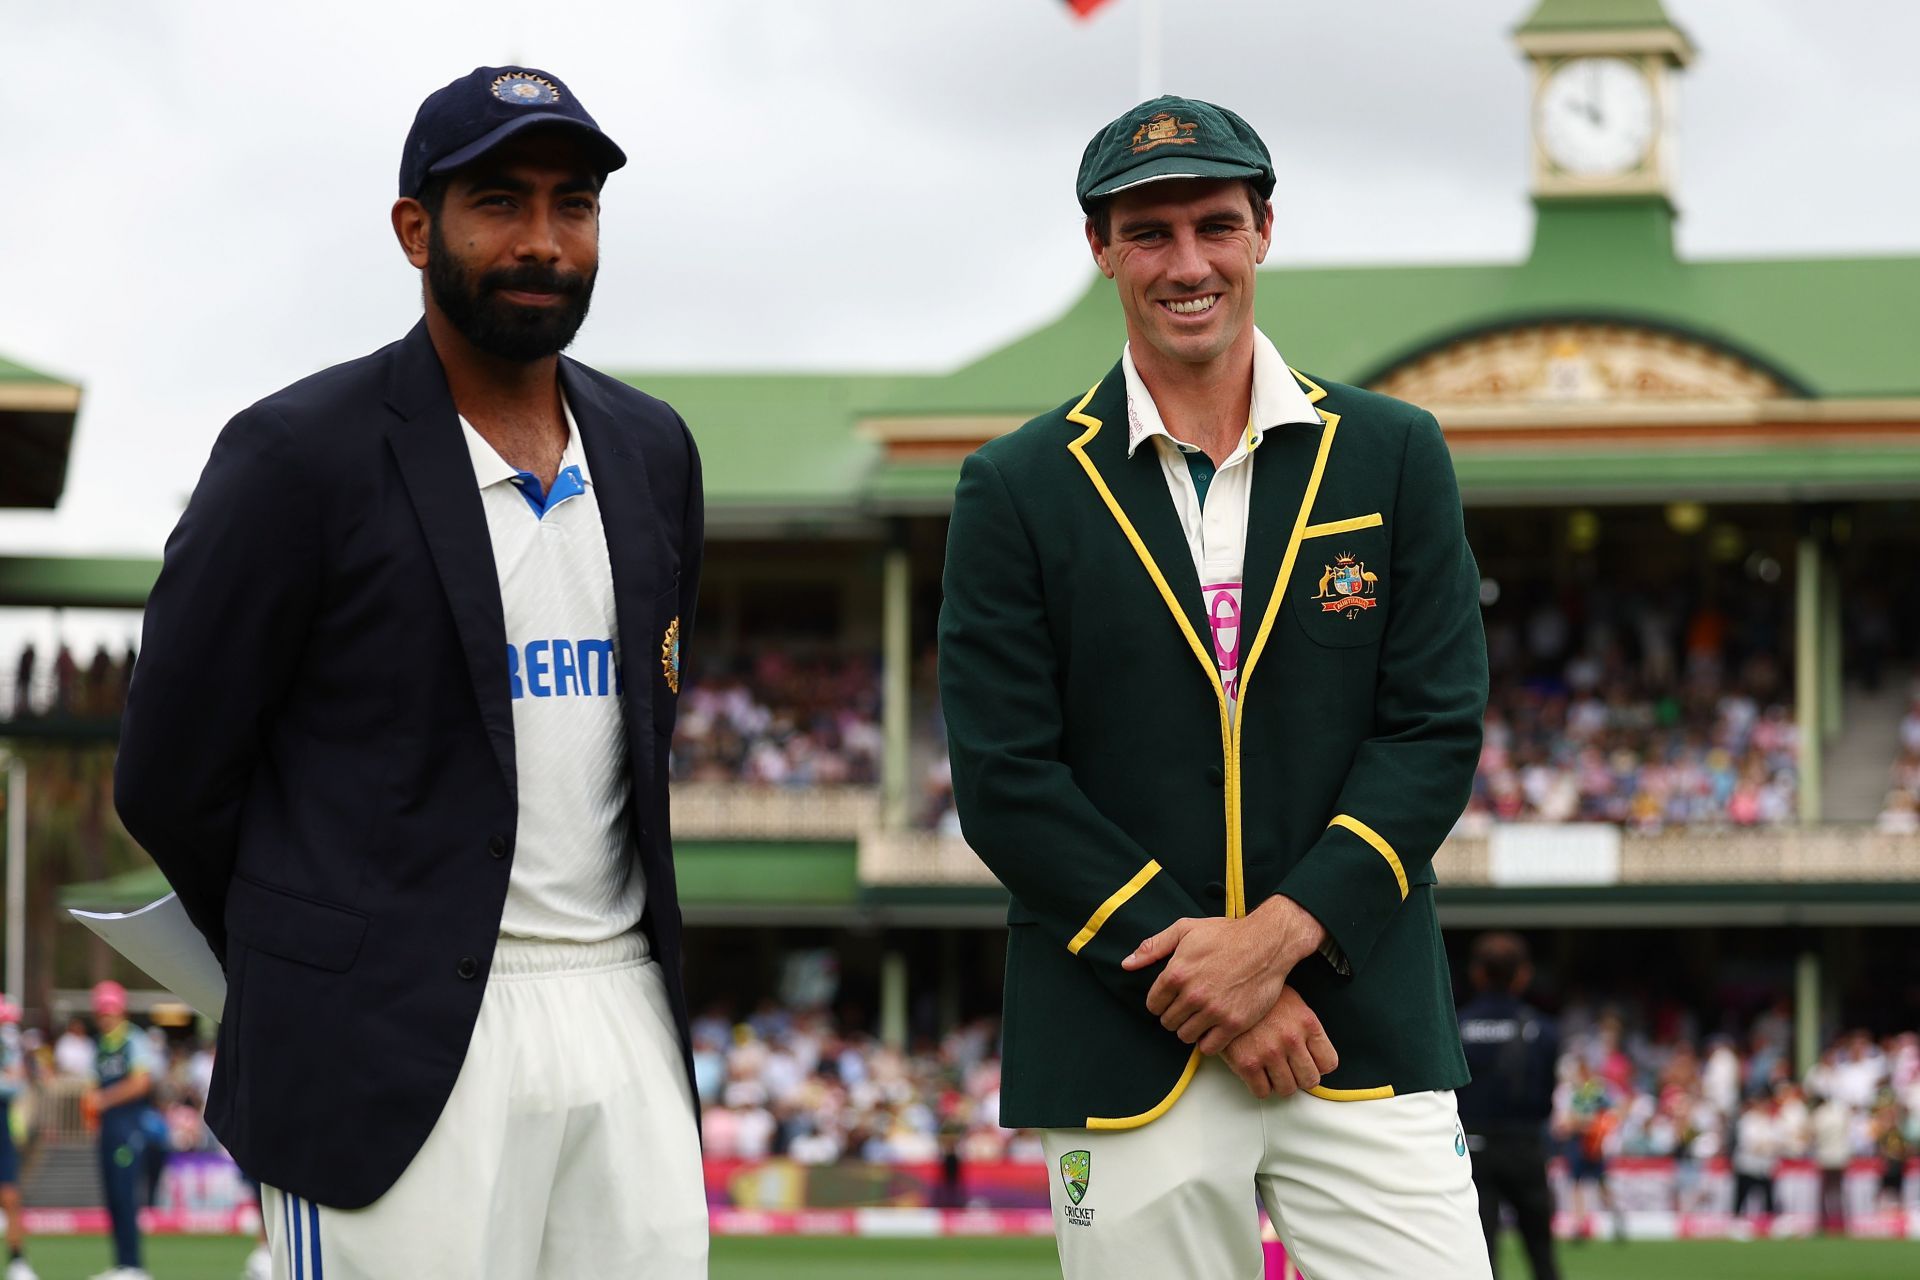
1346 587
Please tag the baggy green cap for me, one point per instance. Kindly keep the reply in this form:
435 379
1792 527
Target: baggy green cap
1172 138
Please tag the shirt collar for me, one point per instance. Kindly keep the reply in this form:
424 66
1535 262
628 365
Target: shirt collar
489 468
1277 399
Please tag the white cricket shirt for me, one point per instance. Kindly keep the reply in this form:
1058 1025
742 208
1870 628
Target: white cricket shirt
1216 529
574 874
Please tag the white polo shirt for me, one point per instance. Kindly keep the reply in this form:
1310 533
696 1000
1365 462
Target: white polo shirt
574 877
1216 528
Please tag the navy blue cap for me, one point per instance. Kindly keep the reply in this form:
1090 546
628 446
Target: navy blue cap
482 109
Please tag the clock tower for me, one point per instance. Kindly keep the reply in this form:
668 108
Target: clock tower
1603 100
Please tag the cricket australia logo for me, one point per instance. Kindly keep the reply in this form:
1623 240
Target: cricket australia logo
1076 1168
1346 587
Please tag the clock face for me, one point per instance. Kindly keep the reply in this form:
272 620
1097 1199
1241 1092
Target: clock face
1596 117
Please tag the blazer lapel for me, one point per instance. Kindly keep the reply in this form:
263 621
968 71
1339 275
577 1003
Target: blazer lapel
635 549
1287 470
1134 492
438 473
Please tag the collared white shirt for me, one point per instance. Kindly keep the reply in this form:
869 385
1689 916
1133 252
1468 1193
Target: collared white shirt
1217 529
574 877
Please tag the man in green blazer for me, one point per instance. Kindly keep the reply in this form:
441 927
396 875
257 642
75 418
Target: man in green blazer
1213 672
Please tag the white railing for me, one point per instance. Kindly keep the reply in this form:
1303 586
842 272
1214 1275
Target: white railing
1788 855
742 811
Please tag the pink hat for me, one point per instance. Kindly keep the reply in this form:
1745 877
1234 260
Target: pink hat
109 997
9 1011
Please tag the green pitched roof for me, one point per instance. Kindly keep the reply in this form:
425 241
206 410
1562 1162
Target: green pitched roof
11 372
1827 328
1582 15
772 444
1832 327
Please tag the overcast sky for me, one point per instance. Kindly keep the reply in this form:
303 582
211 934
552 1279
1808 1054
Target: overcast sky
197 190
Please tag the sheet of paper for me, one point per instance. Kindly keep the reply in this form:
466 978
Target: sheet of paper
164 945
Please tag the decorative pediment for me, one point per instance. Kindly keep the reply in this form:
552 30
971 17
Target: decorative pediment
1579 363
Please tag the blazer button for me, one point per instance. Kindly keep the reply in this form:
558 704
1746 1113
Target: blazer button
1214 776
1216 890
497 846
468 968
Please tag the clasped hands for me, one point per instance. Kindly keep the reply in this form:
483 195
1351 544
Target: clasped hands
1225 990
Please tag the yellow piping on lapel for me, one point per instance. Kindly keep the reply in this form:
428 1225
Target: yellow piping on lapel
1380 846
1159 1109
1352 1095
1227 739
1372 521
1236 873
1117 900
1078 450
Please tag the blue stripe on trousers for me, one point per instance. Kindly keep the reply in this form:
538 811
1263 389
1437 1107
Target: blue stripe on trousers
299 1253
313 1235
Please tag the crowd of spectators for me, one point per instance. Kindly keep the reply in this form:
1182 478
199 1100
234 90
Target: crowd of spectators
1670 1094
65 689
179 1092
781 720
792 1083
1901 816
1639 710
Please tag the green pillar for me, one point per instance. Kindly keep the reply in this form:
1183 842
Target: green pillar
896 660
1806 1013
1832 694
893 1000
1806 673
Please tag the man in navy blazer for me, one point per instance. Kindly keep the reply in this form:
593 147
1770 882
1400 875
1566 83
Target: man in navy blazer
398 736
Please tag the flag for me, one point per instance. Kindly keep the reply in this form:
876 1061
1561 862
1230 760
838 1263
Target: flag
1084 8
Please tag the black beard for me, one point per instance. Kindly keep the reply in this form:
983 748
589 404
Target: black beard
500 328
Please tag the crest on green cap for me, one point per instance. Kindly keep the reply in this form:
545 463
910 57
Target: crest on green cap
1172 138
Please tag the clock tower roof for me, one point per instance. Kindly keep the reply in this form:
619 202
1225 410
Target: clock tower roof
1592 26
1594 15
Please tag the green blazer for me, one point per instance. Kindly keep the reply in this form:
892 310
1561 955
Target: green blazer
1098 773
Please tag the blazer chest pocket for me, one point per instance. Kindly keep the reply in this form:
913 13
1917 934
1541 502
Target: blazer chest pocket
663 656
1342 583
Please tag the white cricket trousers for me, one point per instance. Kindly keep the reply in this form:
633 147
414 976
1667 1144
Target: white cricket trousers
1379 1190
567 1150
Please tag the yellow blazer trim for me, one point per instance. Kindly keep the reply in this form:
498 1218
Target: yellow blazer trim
1161 1108
1236 873
1380 846
1079 450
1315 392
1352 1095
1111 905
1342 526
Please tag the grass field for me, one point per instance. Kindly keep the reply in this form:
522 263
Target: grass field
805 1259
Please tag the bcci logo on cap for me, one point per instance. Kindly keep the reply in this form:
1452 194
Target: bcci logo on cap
670 655
1347 587
523 89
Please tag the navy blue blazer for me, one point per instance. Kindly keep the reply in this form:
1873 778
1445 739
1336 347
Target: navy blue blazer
318 744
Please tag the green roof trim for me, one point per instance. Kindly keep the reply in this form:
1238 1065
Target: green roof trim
776 442
73 582
751 872
11 372
1595 15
